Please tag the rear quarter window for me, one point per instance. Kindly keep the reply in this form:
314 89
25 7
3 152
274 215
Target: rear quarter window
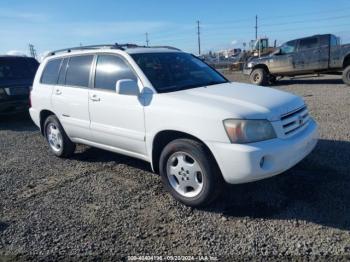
50 73
308 43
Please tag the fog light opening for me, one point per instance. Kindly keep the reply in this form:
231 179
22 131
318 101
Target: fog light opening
262 162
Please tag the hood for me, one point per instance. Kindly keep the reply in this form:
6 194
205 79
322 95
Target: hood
242 101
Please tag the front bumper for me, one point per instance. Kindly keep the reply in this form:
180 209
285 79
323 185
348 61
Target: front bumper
242 163
247 71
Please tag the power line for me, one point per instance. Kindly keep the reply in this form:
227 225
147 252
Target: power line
307 21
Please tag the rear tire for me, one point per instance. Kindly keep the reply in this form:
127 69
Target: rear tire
259 77
59 143
346 75
190 173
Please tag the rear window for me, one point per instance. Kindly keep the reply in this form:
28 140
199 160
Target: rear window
15 68
50 74
308 43
78 71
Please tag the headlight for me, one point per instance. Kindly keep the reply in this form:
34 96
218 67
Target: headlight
248 131
249 65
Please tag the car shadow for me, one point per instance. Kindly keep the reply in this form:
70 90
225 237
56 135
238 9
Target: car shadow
316 190
95 155
17 122
310 81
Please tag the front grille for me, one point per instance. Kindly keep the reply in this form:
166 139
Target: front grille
293 121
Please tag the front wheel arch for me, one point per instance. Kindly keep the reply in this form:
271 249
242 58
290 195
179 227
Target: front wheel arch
164 137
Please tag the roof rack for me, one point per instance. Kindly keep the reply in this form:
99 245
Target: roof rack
165 46
114 46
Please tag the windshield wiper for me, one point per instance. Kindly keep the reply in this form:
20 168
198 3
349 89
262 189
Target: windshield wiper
214 83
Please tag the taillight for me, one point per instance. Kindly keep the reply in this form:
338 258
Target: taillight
30 98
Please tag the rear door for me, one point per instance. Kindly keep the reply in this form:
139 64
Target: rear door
311 55
70 97
116 120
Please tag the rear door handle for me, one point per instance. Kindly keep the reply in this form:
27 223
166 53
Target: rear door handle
58 92
95 98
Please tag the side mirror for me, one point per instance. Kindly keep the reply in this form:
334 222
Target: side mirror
277 52
127 87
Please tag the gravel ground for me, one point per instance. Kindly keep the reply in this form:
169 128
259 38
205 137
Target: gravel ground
99 204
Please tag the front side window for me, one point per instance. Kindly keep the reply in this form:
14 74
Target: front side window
308 43
78 71
50 73
288 48
176 71
110 69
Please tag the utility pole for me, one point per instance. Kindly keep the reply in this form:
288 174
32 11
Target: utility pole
147 40
32 51
256 27
199 38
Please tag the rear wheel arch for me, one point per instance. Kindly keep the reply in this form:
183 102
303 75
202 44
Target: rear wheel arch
162 138
346 61
44 114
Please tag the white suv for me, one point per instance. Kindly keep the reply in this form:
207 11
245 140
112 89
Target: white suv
169 108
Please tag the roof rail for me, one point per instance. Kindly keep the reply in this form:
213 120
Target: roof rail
114 46
165 46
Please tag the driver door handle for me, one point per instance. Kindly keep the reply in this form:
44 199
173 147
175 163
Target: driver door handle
95 98
58 92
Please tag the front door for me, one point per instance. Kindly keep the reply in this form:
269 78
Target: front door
283 62
116 120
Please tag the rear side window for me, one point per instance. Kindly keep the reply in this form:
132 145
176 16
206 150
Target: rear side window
308 43
50 73
78 71
110 69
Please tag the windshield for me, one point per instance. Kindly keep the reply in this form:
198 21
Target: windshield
176 71
15 68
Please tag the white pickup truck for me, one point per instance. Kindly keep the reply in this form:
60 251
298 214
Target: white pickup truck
167 107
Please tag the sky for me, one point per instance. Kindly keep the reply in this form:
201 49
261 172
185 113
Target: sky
50 25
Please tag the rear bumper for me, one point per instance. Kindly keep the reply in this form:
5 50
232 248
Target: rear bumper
13 106
250 162
35 116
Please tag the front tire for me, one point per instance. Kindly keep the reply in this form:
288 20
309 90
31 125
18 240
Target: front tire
259 77
190 173
59 143
346 75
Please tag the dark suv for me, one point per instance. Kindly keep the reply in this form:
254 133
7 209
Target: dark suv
16 77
